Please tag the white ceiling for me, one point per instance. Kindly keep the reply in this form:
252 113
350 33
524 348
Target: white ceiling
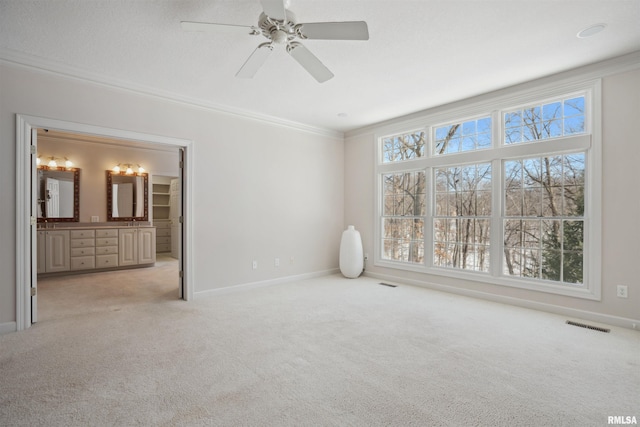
420 53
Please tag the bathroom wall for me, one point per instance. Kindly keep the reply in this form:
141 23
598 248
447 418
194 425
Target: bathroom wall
95 158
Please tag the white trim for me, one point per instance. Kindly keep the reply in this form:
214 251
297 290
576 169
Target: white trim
534 305
23 223
264 283
7 327
24 124
21 59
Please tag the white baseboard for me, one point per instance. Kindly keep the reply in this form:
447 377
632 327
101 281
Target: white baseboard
253 285
8 327
534 305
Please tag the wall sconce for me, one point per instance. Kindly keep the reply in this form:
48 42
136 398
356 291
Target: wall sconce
53 162
127 169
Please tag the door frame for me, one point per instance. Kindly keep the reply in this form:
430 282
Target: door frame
26 249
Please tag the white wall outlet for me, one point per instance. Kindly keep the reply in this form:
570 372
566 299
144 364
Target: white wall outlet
291 260
255 264
621 291
276 262
95 218
366 256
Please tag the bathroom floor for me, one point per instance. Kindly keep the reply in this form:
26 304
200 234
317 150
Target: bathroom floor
94 292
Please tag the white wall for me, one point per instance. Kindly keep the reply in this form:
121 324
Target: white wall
621 205
260 190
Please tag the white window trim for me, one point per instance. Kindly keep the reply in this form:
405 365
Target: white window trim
591 141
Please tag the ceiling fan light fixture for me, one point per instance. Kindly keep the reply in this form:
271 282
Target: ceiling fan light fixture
280 27
279 37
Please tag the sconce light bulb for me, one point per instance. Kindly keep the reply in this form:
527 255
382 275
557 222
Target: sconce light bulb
116 168
140 169
68 163
53 164
129 170
38 161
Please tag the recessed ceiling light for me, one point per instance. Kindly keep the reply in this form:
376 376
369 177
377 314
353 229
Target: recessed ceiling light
342 114
591 31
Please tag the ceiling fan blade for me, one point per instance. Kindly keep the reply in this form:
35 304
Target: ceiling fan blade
218 28
351 30
274 9
309 62
255 61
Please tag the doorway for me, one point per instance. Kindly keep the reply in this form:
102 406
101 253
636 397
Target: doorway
26 231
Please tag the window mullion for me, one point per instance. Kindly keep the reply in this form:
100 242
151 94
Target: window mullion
497 188
429 213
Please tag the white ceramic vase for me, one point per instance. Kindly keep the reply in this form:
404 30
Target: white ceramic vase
351 257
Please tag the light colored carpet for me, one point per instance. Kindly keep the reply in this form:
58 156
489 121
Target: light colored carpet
119 349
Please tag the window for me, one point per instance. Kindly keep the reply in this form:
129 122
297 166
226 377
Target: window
403 217
551 120
462 222
467 136
403 147
508 196
544 217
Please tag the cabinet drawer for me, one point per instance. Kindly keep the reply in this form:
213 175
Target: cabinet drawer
163 247
107 233
163 232
107 241
82 234
83 262
106 250
104 261
81 243
163 239
75 252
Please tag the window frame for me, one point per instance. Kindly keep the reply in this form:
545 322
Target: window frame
495 107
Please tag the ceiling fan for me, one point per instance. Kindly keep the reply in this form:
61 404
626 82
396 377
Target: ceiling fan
280 26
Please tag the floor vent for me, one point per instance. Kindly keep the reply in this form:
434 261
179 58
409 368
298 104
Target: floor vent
388 284
583 325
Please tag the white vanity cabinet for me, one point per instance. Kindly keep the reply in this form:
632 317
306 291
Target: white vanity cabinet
137 245
83 247
147 246
107 248
57 254
42 251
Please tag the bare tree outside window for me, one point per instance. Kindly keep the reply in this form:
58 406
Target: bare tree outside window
462 217
403 216
541 194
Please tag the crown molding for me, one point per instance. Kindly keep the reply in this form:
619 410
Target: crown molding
21 59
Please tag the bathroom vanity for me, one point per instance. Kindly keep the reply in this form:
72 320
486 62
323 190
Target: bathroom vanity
79 247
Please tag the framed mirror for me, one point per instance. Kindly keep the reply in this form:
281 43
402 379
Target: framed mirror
58 194
127 196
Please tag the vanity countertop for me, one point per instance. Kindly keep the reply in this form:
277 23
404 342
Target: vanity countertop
89 225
